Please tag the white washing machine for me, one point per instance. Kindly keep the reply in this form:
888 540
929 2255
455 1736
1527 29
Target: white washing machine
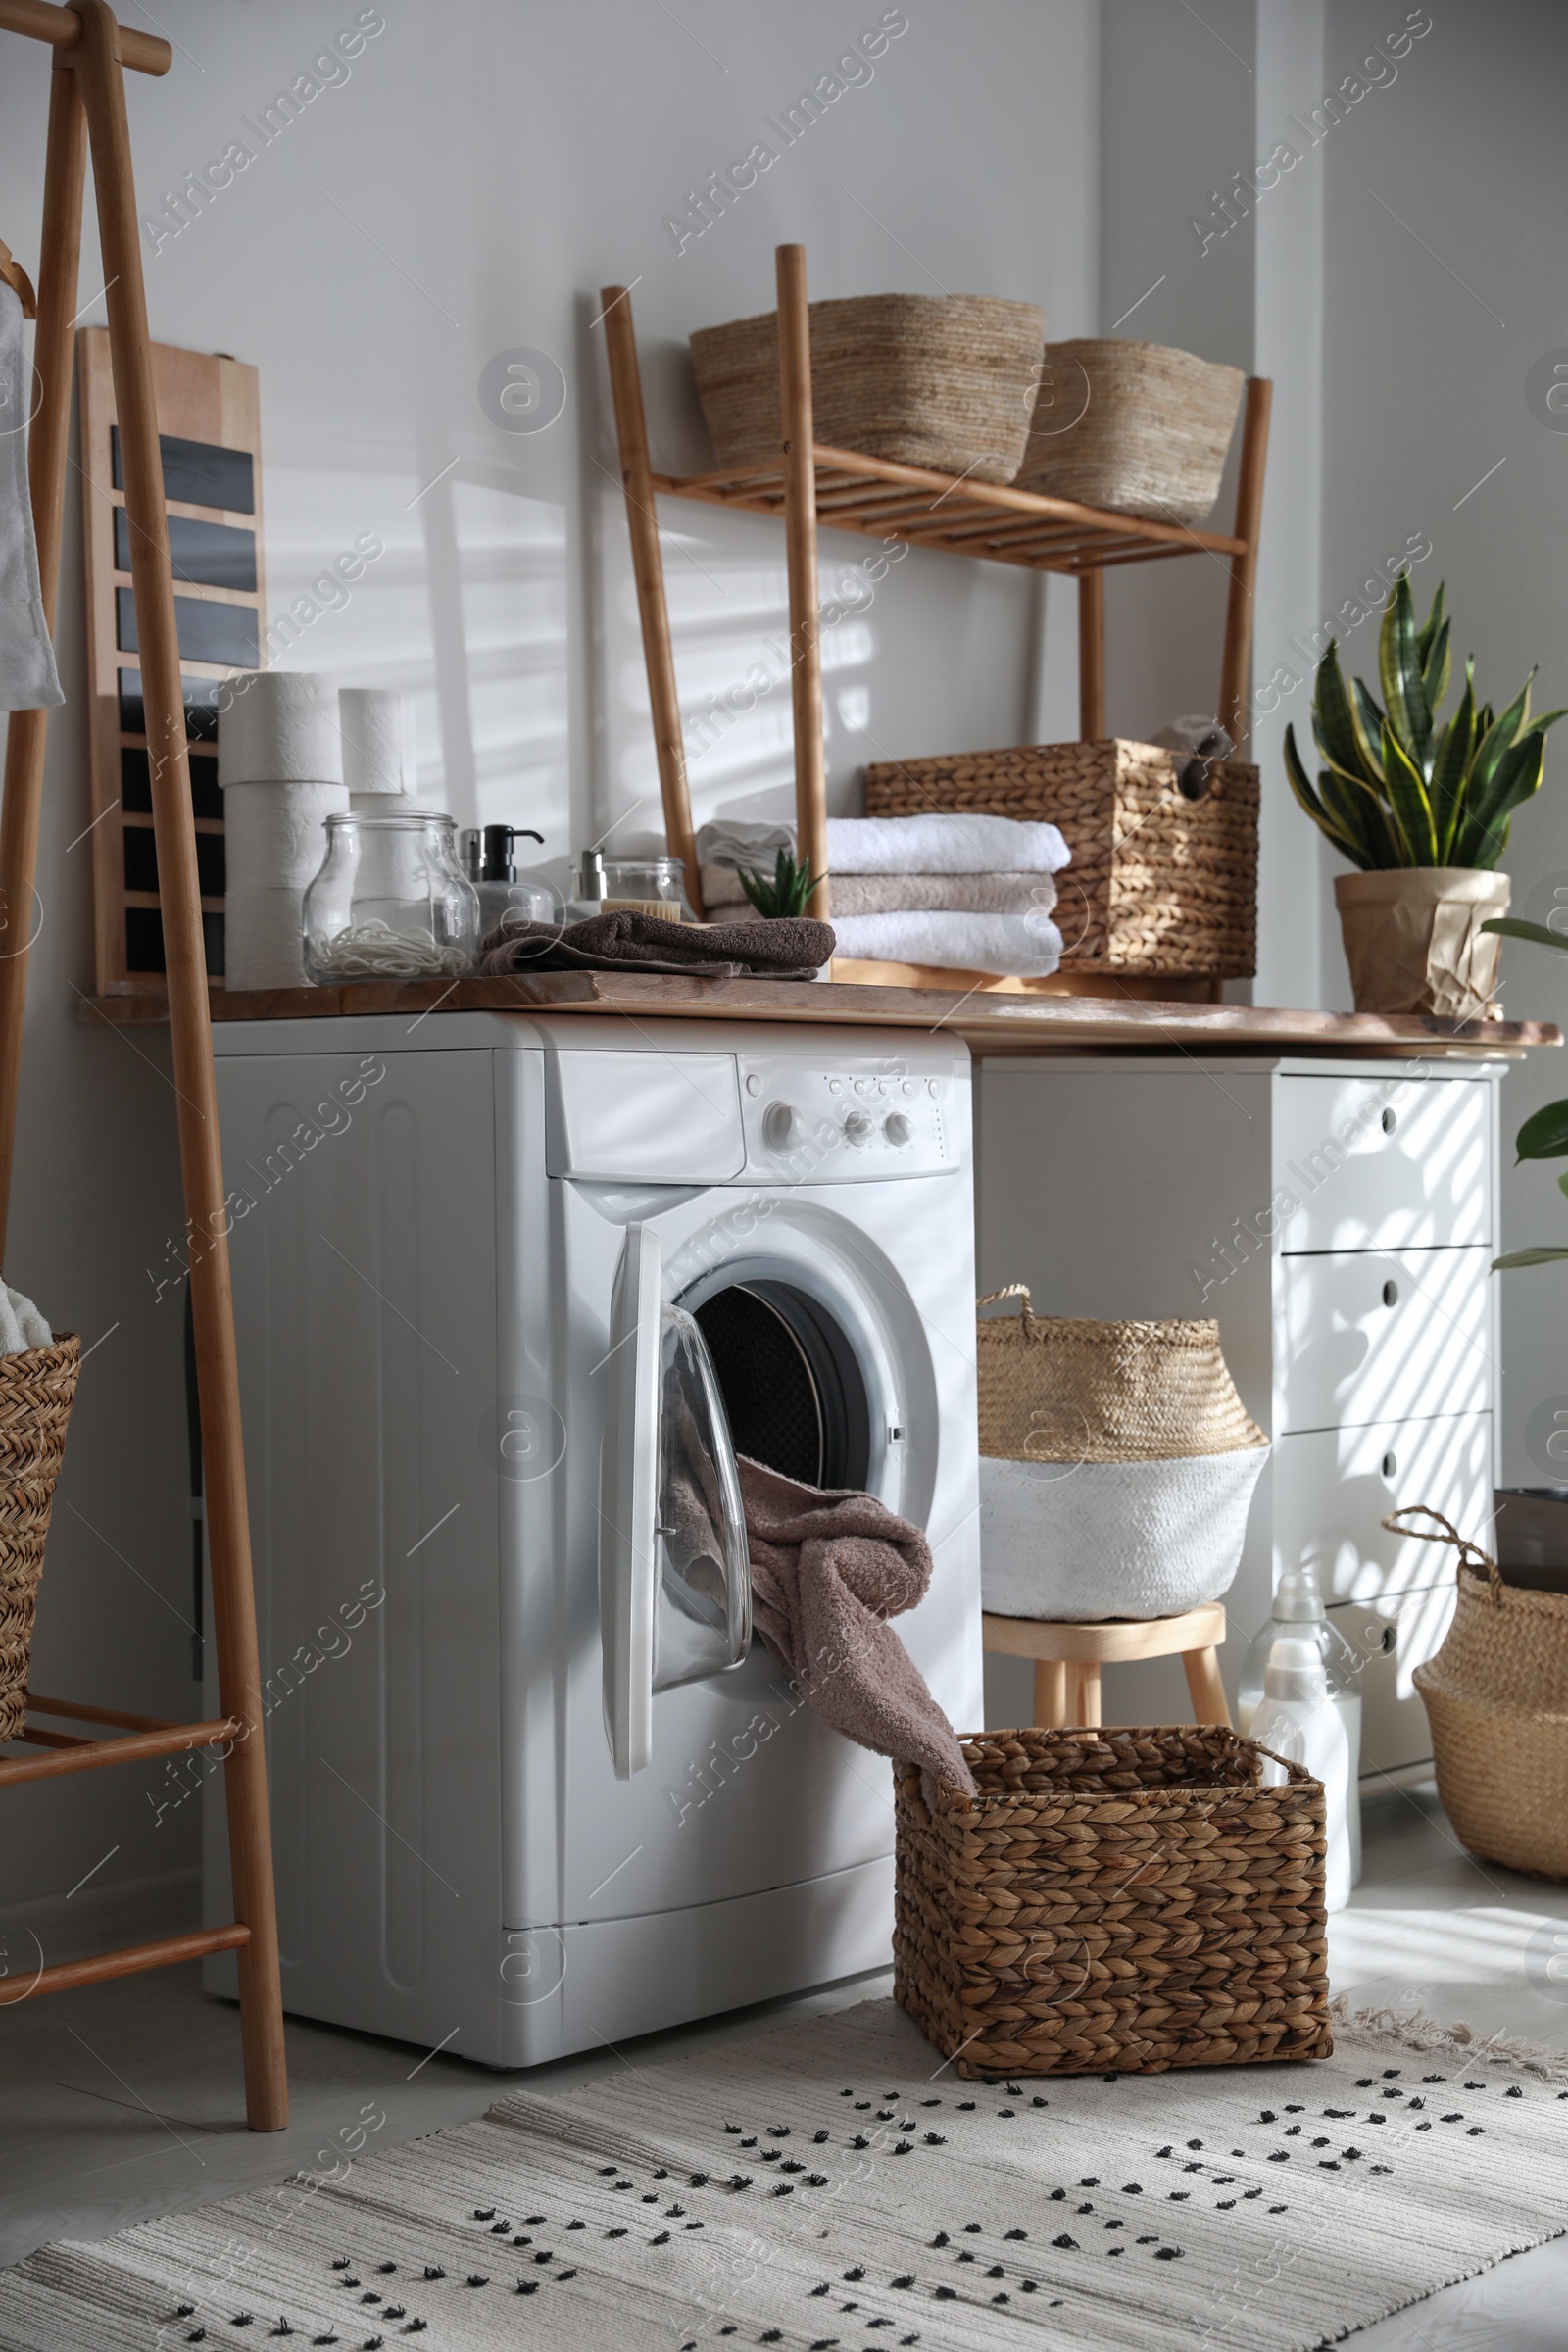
509 1289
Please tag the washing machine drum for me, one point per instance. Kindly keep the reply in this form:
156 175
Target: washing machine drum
793 1392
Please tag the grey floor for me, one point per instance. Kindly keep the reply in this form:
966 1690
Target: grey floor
121 2101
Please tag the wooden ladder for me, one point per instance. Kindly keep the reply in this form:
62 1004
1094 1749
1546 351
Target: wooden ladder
87 104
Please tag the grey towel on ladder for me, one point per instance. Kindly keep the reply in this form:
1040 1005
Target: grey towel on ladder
27 676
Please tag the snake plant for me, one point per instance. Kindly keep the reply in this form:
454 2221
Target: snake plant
1399 789
788 890
1544 1134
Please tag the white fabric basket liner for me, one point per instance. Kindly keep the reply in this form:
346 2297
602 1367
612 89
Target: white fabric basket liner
1092 1540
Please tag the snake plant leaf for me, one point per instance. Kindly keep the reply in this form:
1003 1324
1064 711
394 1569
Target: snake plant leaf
1358 810
1481 835
1404 695
1544 1134
1405 787
1514 926
1334 722
1368 727
1435 667
1450 765
1343 836
1429 628
1525 1257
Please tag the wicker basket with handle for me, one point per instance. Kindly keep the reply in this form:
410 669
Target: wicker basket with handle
36 1390
1135 427
1114 1900
1158 884
936 381
1496 1696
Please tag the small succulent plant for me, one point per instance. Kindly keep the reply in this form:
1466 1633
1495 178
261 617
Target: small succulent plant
1399 789
788 890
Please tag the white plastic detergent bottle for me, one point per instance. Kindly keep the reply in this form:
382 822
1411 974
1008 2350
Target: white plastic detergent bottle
1299 1609
1299 1721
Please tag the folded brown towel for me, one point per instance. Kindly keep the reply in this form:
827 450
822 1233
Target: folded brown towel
828 1569
794 948
897 893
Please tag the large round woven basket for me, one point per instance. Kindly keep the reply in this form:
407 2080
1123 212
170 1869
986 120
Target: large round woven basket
1496 1696
36 1390
1135 427
1117 1465
936 381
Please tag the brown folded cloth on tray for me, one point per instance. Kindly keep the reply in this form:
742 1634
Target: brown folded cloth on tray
792 947
828 1571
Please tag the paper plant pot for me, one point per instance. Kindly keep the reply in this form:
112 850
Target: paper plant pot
1413 939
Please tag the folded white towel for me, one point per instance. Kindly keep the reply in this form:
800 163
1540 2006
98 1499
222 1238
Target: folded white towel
1022 945
21 1325
943 845
27 678
934 843
901 894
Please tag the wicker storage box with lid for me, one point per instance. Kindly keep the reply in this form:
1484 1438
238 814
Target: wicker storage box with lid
935 380
1158 884
1114 1900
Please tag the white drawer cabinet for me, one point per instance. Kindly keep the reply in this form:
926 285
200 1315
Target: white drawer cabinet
1338 1219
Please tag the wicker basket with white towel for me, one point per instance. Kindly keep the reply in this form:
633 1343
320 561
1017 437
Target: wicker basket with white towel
1117 1465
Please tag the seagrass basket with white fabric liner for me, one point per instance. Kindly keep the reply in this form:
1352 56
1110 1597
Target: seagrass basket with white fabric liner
941 381
1117 1465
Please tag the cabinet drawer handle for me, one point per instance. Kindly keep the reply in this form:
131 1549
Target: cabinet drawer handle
1391 1293
1390 1121
1391 1466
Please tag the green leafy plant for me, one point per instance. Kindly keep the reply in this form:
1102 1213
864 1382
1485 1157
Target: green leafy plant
1544 1134
1399 789
788 890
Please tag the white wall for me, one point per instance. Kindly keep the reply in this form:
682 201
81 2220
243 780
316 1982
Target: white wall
481 171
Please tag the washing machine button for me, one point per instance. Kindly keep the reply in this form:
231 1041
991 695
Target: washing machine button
863 1086
910 1086
858 1127
753 1084
835 1086
781 1126
899 1129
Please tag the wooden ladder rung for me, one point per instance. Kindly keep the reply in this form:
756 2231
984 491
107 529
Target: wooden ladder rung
74 1712
86 1755
129 1961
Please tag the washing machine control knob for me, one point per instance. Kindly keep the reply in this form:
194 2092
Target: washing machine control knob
781 1126
899 1129
859 1126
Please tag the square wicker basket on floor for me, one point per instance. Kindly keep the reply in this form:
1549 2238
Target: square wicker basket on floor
1116 1901
1158 884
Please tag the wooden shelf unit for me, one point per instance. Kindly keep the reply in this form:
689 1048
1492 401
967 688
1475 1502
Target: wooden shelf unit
87 104
812 484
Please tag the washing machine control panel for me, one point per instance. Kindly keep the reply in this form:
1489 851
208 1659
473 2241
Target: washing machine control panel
833 1123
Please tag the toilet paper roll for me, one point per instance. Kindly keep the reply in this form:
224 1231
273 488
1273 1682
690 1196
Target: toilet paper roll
278 726
262 939
275 834
377 729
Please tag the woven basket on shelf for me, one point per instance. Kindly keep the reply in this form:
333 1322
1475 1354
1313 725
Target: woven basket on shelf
36 1390
1115 1900
1117 1465
1134 426
1496 1696
935 380
1158 884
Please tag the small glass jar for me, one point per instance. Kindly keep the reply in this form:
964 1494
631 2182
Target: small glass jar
649 885
390 901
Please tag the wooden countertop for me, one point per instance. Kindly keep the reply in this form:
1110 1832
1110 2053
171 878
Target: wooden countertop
989 1022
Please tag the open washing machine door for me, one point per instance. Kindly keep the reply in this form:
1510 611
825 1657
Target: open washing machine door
674 1578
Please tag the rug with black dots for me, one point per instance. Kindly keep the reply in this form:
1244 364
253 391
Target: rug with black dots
831 2186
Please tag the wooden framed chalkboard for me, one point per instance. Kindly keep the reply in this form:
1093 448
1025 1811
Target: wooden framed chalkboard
209 419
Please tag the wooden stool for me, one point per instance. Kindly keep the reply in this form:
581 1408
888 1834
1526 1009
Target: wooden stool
1069 1658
